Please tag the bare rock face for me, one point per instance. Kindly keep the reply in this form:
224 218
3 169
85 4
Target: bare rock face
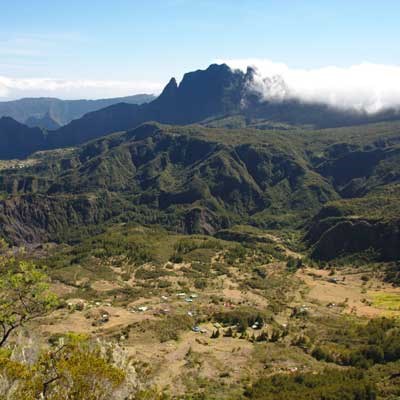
200 220
37 218
336 237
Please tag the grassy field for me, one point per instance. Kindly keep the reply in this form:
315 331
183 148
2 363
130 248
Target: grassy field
386 301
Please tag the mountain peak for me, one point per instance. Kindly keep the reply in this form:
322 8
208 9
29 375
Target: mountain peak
219 67
215 74
169 93
170 88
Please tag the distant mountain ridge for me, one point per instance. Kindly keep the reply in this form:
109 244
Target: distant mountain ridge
45 122
202 96
27 110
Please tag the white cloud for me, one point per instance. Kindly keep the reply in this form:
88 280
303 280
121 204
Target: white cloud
30 51
369 87
12 88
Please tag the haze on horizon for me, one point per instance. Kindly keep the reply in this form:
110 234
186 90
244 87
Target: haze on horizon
306 50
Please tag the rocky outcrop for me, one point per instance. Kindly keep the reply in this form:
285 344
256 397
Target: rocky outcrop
337 237
37 218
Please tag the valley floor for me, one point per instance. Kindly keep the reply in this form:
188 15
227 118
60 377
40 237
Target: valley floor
211 316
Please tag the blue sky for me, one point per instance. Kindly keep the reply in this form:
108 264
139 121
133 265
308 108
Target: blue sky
147 42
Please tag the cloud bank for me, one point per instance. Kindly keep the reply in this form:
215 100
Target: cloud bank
364 87
13 88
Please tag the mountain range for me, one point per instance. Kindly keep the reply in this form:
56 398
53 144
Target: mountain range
217 96
51 113
217 156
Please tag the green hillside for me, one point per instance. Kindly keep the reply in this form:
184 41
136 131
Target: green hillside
195 179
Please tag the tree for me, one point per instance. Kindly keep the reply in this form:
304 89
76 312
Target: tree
275 335
242 325
76 369
228 332
215 334
24 295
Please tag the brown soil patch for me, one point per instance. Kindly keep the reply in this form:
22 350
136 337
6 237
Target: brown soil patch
62 321
104 286
61 289
350 290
